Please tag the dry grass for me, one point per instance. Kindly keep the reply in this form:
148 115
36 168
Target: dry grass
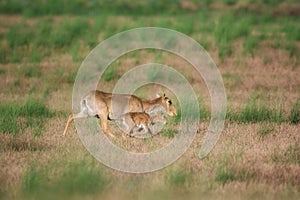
255 160
258 165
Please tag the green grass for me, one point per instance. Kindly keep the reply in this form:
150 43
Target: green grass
75 179
37 55
224 175
186 26
294 117
71 77
126 7
291 48
228 172
230 2
204 112
32 181
44 27
251 44
9 118
291 30
31 114
229 28
111 72
67 31
4 54
2 71
35 41
169 131
190 110
178 178
61 76
76 53
257 111
16 55
35 108
81 178
153 74
253 111
32 71
19 34
224 50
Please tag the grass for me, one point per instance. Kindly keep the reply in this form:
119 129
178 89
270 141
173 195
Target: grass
71 77
32 71
81 178
256 111
31 114
231 80
289 155
33 181
77 7
35 108
4 55
190 111
230 2
291 31
294 117
251 44
291 48
2 71
224 175
204 113
76 179
67 31
75 53
44 42
153 74
178 178
8 119
227 175
36 55
19 35
229 28
253 111
61 35
169 130
265 129
34 41
111 72
230 171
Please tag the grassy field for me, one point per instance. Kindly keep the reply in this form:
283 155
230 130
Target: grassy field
256 47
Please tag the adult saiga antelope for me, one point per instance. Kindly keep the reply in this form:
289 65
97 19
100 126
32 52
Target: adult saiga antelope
103 105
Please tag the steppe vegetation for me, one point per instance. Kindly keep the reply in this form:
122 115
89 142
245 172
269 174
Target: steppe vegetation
256 47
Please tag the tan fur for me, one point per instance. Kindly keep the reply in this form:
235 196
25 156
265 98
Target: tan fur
136 119
103 105
151 105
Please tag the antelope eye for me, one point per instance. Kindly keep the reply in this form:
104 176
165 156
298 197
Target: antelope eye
170 102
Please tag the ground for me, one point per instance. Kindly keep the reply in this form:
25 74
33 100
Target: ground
257 52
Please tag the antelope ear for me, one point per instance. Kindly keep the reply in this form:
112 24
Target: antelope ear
157 95
164 95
